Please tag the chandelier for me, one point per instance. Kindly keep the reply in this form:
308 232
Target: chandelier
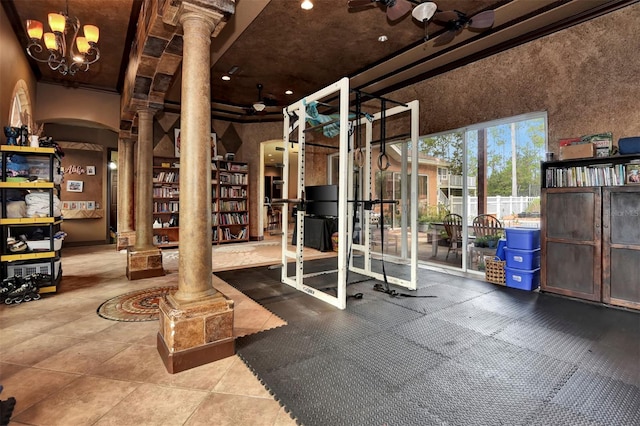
77 55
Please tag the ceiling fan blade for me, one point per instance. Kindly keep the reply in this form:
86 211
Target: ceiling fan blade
360 3
398 10
482 20
445 38
446 16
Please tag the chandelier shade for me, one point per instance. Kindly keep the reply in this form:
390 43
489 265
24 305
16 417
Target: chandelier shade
64 49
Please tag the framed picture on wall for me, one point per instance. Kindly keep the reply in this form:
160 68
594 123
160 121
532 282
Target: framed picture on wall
177 141
74 185
82 205
91 205
65 205
214 144
91 170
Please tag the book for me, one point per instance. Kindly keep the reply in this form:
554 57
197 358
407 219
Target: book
632 172
602 143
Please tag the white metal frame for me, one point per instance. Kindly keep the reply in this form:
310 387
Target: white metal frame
345 193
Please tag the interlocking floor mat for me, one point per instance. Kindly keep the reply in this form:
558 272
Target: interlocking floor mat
475 354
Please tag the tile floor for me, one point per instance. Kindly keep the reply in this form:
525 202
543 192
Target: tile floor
65 365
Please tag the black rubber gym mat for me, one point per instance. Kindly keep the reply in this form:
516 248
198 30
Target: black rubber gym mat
474 354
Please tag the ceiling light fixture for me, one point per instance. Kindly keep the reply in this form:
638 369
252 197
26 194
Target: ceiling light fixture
226 78
306 5
288 92
77 55
383 38
259 105
423 13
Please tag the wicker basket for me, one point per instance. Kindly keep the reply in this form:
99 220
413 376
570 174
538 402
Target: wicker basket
494 270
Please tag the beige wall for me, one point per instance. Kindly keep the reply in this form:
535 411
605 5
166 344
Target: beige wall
58 104
13 68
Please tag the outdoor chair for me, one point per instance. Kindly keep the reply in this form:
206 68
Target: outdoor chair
485 225
453 226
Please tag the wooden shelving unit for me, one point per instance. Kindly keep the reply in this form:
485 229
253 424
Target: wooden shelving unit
232 202
591 233
229 201
166 200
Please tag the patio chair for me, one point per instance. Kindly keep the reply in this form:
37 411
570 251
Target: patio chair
453 225
485 225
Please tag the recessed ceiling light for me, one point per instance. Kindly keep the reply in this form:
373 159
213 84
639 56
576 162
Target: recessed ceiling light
226 78
382 38
288 92
307 5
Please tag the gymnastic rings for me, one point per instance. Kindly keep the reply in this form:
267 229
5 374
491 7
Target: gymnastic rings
358 158
381 166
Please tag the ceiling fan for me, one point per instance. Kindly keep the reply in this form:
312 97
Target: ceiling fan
455 21
396 9
258 107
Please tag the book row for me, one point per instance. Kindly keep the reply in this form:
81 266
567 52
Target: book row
167 177
593 175
234 218
228 235
233 206
233 192
234 179
166 207
166 192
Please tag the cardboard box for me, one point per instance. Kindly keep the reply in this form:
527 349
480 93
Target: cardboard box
579 150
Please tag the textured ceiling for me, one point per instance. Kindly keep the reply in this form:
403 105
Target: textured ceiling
279 45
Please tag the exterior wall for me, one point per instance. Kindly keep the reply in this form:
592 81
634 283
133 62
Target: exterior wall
14 68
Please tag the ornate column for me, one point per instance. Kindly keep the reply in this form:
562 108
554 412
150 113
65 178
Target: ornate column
126 233
196 322
144 259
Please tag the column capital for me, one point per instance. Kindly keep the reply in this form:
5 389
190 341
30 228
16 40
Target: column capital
215 12
145 110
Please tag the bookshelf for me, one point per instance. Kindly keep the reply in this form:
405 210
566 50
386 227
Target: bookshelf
166 201
231 201
597 171
591 229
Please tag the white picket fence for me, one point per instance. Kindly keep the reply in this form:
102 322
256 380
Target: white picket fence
504 208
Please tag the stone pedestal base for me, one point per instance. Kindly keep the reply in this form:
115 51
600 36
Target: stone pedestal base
125 239
144 263
196 333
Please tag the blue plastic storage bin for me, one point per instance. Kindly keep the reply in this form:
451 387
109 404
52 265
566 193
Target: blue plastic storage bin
502 243
522 259
523 238
522 279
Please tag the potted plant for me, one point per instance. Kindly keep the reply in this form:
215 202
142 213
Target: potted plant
492 240
480 242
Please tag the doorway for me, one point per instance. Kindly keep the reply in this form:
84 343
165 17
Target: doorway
273 176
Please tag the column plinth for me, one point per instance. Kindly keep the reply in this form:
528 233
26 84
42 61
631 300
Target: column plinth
195 333
144 263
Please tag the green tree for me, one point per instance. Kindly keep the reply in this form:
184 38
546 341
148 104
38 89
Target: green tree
448 146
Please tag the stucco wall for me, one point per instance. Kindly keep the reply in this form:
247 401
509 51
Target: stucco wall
13 68
585 77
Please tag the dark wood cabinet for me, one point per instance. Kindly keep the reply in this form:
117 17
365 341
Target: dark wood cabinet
590 237
571 242
621 246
